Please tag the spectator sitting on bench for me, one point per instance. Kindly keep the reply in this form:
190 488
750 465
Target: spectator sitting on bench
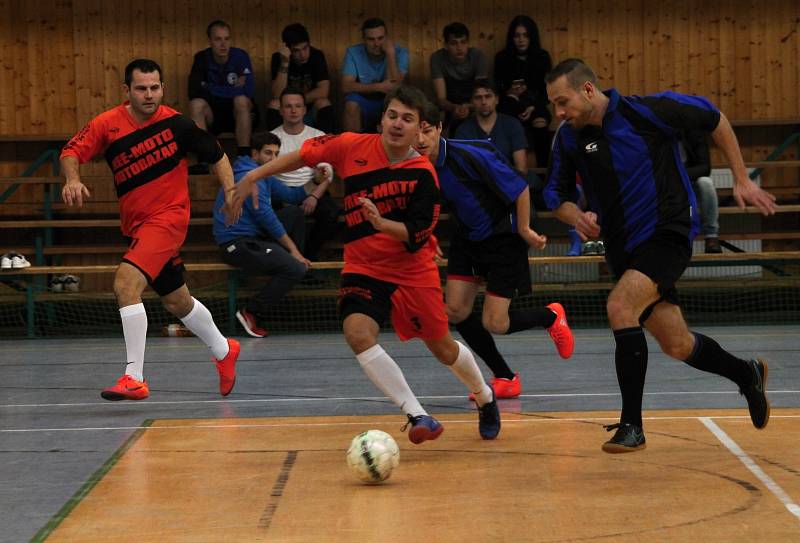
697 161
265 242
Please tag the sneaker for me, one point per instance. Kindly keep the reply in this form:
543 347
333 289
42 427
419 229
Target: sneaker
18 261
70 283
756 394
628 438
713 246
504 389
227 367
423 428
249 323
489 419
5 261
589 248
127 388
57 283
560 331
600 248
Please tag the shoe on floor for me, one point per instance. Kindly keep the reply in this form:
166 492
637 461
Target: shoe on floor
756 394
560 331
127 388
250 324
627 438
423 428
504 389
227 367
489 419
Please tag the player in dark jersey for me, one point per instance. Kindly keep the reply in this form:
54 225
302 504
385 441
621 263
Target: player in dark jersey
491 205
145 144
391 208
626 151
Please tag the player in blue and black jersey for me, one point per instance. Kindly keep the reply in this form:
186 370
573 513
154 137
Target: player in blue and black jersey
642 205
491 204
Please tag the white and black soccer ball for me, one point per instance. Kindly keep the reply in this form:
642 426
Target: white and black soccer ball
372 456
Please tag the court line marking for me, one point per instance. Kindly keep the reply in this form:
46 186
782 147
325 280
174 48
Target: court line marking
361 423
373 398
737 451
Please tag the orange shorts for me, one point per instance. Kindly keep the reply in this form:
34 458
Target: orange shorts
416 312
155 250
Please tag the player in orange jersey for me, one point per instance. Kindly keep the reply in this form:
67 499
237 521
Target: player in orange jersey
145 144
391 208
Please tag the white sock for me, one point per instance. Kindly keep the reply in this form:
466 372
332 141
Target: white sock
201 323
134 328
468 373
387 376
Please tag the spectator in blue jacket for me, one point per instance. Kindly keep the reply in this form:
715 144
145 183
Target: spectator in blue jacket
221 88
265 242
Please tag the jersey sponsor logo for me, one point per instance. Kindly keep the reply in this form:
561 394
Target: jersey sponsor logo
232 78
355 291
387 197
322 140
143 155
591 147
246 71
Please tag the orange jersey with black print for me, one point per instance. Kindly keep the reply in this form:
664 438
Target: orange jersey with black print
406 191
148 161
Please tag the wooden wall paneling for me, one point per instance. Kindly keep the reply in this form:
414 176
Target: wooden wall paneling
680 43
784 31
651 47
22 110
760 105
603 40
7 111
743 63
664 45
65 120
37 90
727 59
555 37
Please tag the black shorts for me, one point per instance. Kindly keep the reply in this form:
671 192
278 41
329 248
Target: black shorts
501 261
224 120
662 258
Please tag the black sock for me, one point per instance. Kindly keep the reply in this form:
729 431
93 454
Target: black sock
324 120
530 318
709 356
243 150
482 343
631 362
274 119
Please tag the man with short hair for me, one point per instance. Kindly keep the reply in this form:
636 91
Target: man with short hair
145 144
265 242
391 209
454 69
643 206
504 131
491 204
298 65
370 70
221 87
292 134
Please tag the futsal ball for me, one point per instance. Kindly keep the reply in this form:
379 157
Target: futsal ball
372 456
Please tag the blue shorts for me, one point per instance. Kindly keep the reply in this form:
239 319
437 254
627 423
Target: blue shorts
371 109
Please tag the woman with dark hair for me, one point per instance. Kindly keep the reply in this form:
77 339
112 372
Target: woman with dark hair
519 72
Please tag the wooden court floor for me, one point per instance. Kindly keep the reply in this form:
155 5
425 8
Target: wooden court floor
705 476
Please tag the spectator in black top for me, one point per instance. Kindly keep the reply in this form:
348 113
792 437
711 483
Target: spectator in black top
221 87
299 66
519 72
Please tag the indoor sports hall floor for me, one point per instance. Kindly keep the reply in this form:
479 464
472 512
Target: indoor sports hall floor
268 462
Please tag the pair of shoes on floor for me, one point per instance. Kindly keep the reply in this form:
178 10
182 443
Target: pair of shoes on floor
13 261
250 324
128 388
630 437
65 283
713 246
591 248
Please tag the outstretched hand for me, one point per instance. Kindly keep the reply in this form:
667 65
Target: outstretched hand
747 191
247 186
